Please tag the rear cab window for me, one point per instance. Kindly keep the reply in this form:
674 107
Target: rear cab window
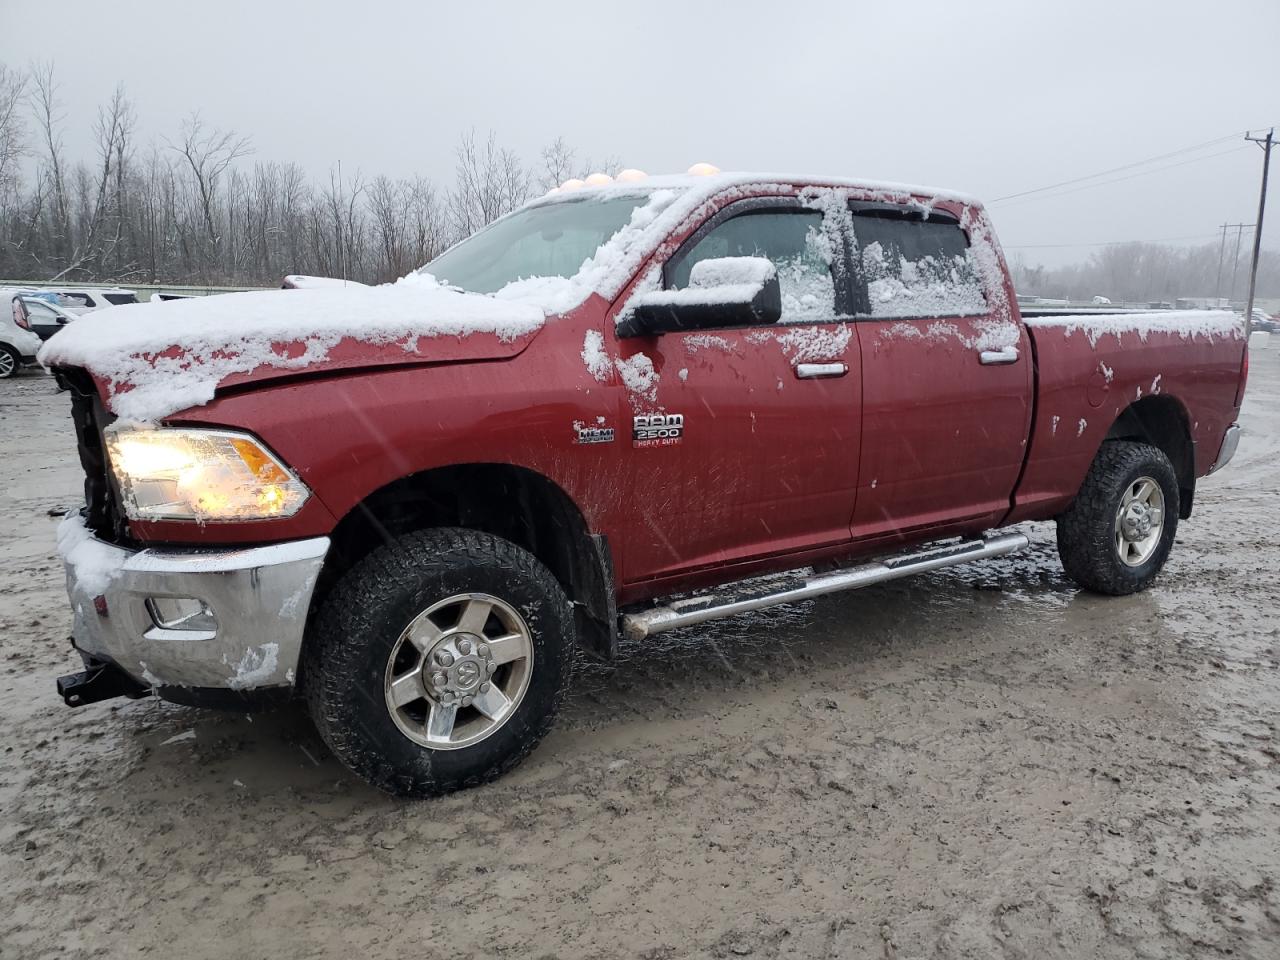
909 266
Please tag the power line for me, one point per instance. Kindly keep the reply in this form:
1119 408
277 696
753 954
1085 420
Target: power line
1140 173
1126 166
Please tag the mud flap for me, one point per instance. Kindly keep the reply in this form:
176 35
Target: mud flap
596 615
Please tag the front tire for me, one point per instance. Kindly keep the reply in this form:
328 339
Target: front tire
439 661
1117 534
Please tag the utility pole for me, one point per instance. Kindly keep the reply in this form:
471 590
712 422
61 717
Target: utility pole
1235 260
1267 142
1222 252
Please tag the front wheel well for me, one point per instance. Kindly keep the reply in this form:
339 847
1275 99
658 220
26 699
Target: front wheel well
1162 422
511 502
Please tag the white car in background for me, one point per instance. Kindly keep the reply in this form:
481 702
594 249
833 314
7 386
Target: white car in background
85 300
17 346
40 316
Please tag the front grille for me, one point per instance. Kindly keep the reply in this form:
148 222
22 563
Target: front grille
102 510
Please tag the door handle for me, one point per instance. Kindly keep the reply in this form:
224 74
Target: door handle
997 357
814 371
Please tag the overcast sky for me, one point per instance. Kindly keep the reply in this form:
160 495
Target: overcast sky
990 98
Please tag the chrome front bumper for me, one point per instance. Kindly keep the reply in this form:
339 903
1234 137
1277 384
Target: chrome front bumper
1230 440
248 636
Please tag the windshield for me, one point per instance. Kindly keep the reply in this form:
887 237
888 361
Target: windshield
550 240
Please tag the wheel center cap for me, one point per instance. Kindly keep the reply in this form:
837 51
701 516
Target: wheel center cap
467 674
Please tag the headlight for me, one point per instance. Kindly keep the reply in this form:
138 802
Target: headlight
180 474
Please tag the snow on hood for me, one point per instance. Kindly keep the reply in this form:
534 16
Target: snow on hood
155 359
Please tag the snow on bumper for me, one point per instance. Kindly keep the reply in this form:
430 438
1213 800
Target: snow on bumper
250 609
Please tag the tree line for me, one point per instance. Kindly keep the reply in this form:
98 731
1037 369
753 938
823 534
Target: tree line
194 209
1154 273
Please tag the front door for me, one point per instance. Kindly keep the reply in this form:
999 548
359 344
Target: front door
746 440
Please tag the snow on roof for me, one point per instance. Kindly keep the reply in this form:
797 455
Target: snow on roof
160 358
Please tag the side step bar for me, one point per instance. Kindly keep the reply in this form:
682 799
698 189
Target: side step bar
704 607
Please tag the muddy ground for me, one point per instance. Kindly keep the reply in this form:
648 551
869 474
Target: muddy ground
982 762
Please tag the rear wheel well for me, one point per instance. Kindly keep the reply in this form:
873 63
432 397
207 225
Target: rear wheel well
1162 422
516 504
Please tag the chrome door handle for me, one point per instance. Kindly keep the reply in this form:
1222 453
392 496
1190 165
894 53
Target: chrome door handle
813 371
996 357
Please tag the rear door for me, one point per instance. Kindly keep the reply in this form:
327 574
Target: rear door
760 452
946 373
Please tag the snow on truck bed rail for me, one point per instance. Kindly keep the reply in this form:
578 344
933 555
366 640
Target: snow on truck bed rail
164 357
1185 323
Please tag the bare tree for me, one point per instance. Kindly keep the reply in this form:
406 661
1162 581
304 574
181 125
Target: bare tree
208 153
490 181
13 133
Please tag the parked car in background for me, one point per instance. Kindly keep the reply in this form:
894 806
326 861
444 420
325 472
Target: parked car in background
85 300
300 282
43 318
17 346
1263 321
1101 301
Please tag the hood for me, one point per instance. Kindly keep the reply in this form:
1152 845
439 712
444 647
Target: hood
152 360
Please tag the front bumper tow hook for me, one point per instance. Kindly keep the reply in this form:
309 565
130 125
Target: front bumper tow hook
97 684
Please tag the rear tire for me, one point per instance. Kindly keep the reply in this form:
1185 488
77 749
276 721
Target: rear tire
439 661
1117 534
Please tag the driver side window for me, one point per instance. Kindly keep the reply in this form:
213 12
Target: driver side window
792 239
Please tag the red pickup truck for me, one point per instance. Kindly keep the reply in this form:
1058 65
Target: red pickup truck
606 414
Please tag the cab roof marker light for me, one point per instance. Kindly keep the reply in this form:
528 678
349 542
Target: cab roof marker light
630 175
573 183
703 170
599 180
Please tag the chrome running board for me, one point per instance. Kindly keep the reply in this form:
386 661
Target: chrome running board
711 606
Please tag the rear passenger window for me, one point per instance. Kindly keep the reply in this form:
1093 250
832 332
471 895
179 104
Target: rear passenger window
794 240
916 268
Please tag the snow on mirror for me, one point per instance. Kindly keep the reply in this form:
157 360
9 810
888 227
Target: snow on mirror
793 241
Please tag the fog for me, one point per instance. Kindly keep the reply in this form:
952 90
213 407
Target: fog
990 98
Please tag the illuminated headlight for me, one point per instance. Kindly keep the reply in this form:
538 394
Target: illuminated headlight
180 474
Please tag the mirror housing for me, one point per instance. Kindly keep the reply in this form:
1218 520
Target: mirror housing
724 292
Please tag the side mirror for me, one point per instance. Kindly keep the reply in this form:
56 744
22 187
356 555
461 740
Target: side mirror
725 292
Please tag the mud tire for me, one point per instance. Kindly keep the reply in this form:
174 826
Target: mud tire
1086 531
357 625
